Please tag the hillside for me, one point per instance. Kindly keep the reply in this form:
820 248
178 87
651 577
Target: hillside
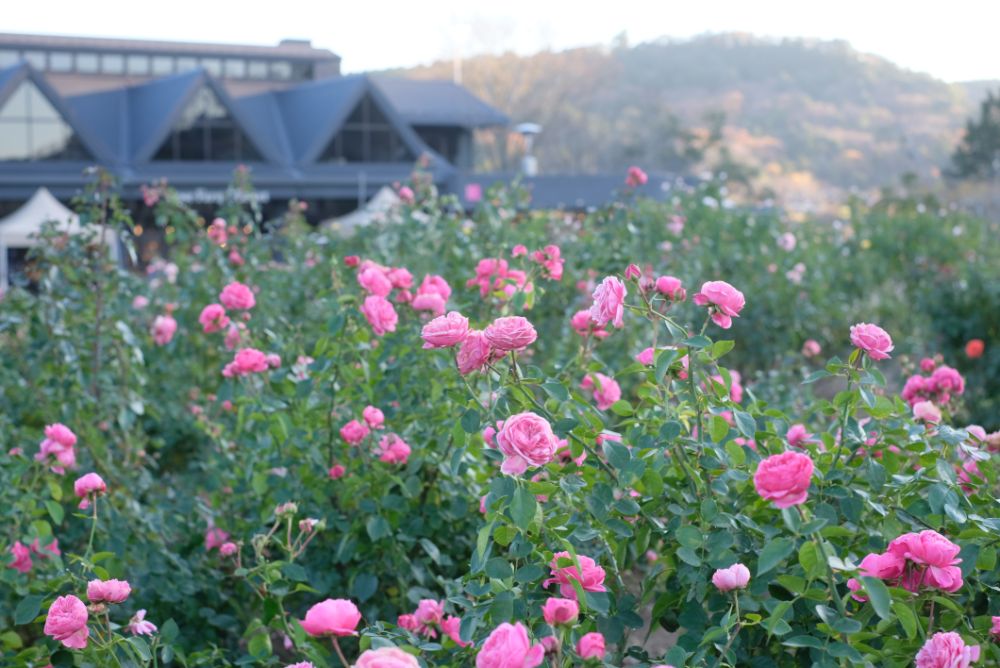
809 119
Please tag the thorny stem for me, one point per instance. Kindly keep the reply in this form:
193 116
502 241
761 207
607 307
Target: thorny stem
818 540
735 632
93 528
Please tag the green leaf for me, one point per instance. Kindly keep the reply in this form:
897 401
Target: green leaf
499 568
470 421
718 428
622 407
664 358
688 556
55 511
27 609
522 508
690 537
556 390
745 423
809 559
773 554
816 375
879 596
141 648
260 645
377 527
364 586
699 341
906 618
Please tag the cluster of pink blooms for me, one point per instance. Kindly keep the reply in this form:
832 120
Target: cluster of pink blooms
635 177
216 538
391 448
946 650
22 554
59 443
914 561
606 389
494 275
429 618
551 262
938 387
724 302
66 620
250 360
477 348
378 281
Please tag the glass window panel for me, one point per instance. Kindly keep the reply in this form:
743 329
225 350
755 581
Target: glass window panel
31 129
137 64
17 104
257 69
236 68
112 63
212 65
86 62
206 132
8 57
14 143
36 58
302 71
163 65
186 63
281 70
60 61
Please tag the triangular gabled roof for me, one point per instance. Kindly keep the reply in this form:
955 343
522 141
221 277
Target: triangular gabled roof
313 113
145 114
12 77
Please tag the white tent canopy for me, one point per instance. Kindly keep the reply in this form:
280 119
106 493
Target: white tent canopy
21 228
377 207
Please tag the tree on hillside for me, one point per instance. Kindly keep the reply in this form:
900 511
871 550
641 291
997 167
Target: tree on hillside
978 155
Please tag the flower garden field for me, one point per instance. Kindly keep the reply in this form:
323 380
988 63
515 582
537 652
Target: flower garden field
506 438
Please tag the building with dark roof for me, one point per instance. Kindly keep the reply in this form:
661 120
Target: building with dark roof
315 135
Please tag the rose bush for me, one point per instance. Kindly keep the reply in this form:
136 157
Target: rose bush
410 448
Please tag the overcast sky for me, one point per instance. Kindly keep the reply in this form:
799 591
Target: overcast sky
953 40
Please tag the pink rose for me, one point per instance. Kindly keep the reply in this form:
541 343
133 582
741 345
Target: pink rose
527 441
108 591
946 650
58 442
995 629
872 340
784 479
786 242
400 277
584 326
474 353
429 612
635 177
445 331
946 379
452 628
87 487
140 302
66 622
724 301
237 296
609 302
273 360
671 288
246 361
560 611
927 365
22 558
646 357
406 194
138 626
927 412
632 272
797 435
518 250
354 432
433 284
213 318
606 389
432 302
591 646
589 574
163 329
510 333
393 450
374 280
373 417
61 434
408 622
887 566
386 657
228 549
938 554
332 617
380 313
233 337
811 348
508 646
215 537
337 471
736 576
300 664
